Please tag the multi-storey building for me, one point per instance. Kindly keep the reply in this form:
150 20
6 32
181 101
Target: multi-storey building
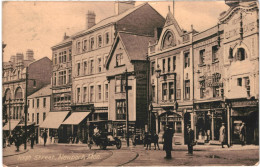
209 104
127 63
39 105
90 50
241 68
14 79
171 64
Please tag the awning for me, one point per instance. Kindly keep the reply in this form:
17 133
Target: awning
75 118
13 124
28 124
54 119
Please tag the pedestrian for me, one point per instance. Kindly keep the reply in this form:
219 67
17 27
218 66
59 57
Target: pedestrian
167 143
148 141
156 141
242 134
32 138
190 139
44 135
222 135
17 140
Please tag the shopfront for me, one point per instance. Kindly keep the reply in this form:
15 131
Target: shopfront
208 119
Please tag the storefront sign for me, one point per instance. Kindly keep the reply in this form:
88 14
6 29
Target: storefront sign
246 103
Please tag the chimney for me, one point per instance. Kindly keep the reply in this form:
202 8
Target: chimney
12 59
122 6
29 55
65 36
91 19
19 57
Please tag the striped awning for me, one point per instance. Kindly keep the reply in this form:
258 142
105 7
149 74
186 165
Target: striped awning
54 119
75 118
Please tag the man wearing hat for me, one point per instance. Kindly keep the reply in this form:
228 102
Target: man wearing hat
190 139
222 135
167 142
242 134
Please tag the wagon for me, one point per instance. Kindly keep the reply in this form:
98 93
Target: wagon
105 139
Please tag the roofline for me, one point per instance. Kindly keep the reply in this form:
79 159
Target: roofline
41 89
61 44
39 60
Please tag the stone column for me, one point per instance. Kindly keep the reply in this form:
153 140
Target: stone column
212 126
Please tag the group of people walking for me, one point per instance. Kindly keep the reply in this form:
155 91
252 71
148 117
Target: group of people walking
150 138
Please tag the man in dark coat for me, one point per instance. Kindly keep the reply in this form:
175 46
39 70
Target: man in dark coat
44 135
190 139
167 144
242 134
155 139
32 137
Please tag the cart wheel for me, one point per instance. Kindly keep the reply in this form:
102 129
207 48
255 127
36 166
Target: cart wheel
102 146
118 144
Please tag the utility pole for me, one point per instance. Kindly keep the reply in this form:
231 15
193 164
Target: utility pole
25 108
127 121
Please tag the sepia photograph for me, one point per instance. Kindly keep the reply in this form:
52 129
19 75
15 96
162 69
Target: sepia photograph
130 83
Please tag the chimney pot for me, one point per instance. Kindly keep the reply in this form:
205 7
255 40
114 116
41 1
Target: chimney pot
91 19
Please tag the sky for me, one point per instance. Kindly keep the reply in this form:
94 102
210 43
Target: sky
41 25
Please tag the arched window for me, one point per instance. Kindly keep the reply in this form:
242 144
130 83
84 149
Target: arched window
7 94
18 93
168 40
241 54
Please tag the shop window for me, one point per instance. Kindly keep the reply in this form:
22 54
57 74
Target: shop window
239 81
241 54
152 68
91 66
99 64
120 84
186 59
91 93
202 89
99 92
163 61
214 53
119 59
202 56
171 91
121 110
85 67
178 127
164 91
169 64
187 90
85 94
174 63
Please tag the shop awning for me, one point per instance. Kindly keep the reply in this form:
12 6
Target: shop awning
54 119
75 118
28 124
13 124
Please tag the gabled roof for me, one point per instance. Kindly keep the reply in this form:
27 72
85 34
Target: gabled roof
110 20
136 46
171 20
45 91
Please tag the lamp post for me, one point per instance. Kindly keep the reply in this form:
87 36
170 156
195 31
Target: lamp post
9 116
127 121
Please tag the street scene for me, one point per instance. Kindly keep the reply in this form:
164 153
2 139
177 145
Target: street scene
130 83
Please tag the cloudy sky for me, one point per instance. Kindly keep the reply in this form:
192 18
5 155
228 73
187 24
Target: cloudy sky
40 25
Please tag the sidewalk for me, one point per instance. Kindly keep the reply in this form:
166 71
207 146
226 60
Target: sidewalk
10 151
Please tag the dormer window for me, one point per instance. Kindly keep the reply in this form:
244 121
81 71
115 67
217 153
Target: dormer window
119 59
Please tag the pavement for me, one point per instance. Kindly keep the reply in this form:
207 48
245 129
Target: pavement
11 150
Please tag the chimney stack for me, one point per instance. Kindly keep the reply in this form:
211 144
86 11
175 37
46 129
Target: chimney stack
122 6
30 55
91 19
65 36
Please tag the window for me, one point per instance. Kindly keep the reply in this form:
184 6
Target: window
174 63
202 89
99 65
169 64
171 91
28 117
64 77
99 92
239 81
91 66
214 53
91 93
164 91
119 59
216 91
186 59
44 115
120 84
34 83
247 85
153 68
44 102
78 46
32 117
85 67
216 77
78 95
106 91
91 43
78 69
54 79
37 118
60 61
70 57
70 79
85 45
163 65
121 110
38 103
153 93
202 56
107 38
55 58
33 103
28 104
99 41
187 89
65 56
85 95
241 54
105 58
